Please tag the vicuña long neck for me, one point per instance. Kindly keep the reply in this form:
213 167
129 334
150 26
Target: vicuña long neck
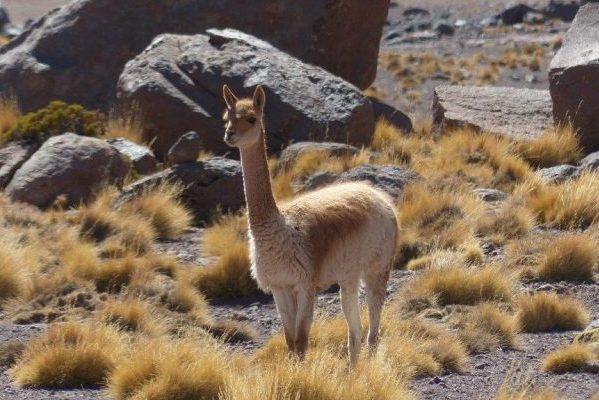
256 182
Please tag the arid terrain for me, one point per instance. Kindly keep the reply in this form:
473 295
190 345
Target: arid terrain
124 260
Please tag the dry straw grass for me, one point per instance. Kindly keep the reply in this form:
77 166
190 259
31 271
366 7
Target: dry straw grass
69 355
487 327
570 358
570 205
571 257
9 115
131 315
469 286
546 312
127 125
559 145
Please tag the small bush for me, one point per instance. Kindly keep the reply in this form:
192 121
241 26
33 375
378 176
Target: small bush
56 119
456 285
487 327
163 209
571 358
559 145
571 257
546 312
69 355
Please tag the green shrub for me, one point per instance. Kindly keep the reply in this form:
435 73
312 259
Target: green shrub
56 119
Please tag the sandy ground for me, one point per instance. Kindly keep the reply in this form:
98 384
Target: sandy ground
22 10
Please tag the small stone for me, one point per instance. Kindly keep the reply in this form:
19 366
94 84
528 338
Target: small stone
186 149
490 195
531 78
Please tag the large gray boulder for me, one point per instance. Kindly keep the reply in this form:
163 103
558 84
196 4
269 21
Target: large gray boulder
67 165
214 184
142 159
76 53
12 156
574 77
186 149
177 83
514 113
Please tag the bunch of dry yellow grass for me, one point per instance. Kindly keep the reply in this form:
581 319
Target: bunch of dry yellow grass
545 312
570 358
15 273
9 115
127 125
512 221
132 315
69 355
557 145
389 141
229 276
570 205
571 257
487 327
469 286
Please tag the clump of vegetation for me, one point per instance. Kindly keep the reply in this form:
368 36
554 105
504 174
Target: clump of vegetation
55 119
469 286
69 355
487 327
570 358
130 315
546 312
512 221
570 205
14 281
571 257
229 275
9 116
558 145
126 125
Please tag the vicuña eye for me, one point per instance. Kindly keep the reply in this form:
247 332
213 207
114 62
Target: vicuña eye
252 120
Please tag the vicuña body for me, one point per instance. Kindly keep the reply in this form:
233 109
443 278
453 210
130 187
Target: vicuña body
341 234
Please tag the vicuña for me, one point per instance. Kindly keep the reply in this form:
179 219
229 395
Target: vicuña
344 234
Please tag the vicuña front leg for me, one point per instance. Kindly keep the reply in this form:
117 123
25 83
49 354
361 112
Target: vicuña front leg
351 308
287 309
305 314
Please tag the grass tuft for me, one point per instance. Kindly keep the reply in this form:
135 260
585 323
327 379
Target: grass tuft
571 358
558 145
547 312
571 257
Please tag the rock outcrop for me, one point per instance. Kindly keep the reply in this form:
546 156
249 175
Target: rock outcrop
186 149
142 159
574 77
208 185
12 156
77 52
177 83
67 165
515 113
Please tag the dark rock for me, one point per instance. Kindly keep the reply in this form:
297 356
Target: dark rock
12 156
142 159
319 180
490 195
186 149
443 28
390 179
77 52
391 114
590 162
207 186
291 153
511 112
574 77
67 165
418 37
559 173
177 83
514 13
564 10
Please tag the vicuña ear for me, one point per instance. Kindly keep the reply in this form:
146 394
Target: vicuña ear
229 97
259 98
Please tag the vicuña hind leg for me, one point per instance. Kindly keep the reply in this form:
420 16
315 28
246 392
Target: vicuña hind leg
376 291
287 309
351 308
305 314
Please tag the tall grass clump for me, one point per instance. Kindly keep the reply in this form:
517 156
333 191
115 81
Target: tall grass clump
571 257
9 115
546 312
571 358
127 125
469 286
557 145
228 276
487 327
69 355
389 140
14 275
130 315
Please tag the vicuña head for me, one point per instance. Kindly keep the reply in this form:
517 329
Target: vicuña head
243 118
